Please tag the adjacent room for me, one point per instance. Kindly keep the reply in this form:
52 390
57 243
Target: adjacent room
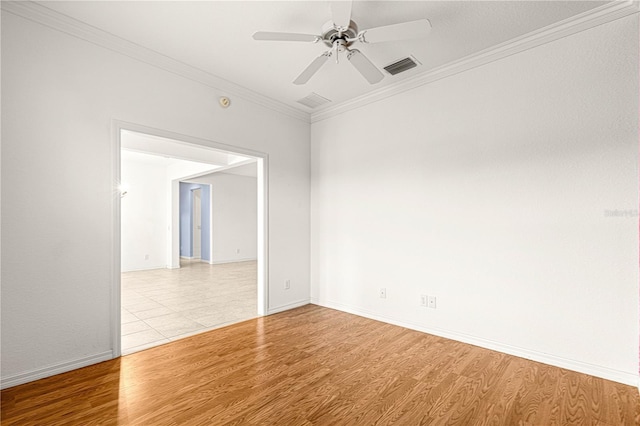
379 212
176 284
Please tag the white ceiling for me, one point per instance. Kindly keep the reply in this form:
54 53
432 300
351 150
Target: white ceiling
250 170
215 36
131 157
164 152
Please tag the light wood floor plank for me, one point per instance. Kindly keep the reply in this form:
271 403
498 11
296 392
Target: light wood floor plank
317 366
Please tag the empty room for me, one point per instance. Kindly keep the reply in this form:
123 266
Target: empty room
446 226
188 219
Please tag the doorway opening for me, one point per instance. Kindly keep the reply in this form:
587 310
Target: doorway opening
196 220
178 271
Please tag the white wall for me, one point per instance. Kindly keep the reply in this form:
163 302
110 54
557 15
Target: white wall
235 212
59 97
144 218
489 190
145 213
187 169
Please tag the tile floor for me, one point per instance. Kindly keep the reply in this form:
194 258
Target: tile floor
162 305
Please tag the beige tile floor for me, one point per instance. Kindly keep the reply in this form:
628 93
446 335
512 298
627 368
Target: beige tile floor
162 305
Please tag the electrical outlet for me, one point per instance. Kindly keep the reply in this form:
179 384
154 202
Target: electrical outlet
432 302
237 251
423 300
287 284
383 293
146 257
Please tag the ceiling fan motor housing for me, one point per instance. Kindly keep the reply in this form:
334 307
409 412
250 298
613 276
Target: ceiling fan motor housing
330 34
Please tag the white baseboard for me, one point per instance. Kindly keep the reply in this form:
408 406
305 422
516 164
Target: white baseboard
288 306
146 268
569 364
219 262
52 370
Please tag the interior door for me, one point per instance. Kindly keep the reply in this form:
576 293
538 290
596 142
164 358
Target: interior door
197 223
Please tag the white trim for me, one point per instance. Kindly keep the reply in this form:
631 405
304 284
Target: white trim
288 306
263 235
52 370
570 364
589 19
262 160
173 213
41 14
221 262
187 139
148 268
211 222
116 260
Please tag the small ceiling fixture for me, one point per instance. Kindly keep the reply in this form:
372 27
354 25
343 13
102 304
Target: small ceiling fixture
224 102
313 100
341 33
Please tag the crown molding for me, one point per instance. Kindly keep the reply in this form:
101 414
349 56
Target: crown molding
43 15
592 18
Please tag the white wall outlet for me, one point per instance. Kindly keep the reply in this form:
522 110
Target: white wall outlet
383 293
237 251
423 300
146 257
287 284
432 302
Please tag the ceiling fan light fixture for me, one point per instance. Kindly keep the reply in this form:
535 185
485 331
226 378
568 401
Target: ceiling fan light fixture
341 33
364 66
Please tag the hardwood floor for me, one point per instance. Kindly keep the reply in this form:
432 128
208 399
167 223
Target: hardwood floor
317 366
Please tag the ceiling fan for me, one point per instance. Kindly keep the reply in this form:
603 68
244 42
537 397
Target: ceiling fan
341 33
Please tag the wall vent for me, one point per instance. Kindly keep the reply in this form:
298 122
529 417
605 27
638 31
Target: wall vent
402 65
313 100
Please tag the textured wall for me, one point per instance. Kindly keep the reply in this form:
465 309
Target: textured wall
490 189
59 97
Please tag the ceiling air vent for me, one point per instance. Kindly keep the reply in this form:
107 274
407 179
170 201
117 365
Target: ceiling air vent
313 100
402 65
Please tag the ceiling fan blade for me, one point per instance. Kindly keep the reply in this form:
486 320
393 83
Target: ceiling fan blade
341 13
369 71
269 36
404 31
312 68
